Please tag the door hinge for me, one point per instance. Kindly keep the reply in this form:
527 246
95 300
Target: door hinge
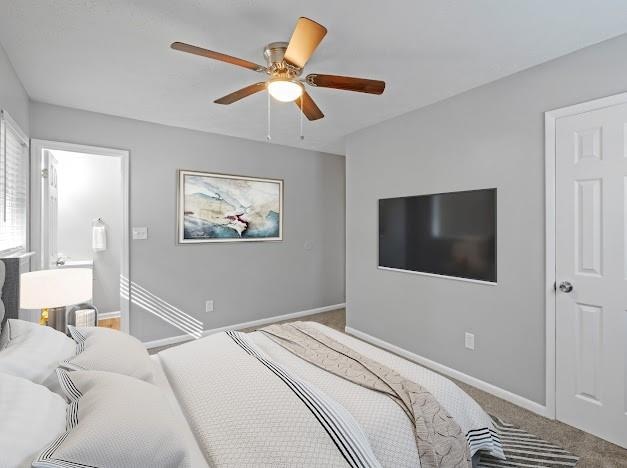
44 173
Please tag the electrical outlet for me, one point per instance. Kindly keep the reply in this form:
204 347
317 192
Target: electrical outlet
470 341
140 233
209 306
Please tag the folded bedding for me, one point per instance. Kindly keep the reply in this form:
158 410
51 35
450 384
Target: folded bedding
439 439
243 395
390 430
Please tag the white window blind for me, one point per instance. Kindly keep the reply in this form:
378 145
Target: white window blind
13 185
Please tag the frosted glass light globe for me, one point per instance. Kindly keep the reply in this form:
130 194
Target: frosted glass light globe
285 91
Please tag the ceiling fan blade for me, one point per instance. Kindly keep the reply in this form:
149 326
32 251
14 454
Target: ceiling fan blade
309 107
190 49
241 93
305 38
346 83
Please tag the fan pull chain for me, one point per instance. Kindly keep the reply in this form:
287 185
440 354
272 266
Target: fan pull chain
302 137
268 136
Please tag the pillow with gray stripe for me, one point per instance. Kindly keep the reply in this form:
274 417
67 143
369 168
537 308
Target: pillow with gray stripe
114 421
109 350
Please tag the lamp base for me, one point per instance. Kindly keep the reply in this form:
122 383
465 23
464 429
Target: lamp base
53 317
43 317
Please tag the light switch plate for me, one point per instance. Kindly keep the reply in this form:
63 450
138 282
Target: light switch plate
209 306
470 341
140 233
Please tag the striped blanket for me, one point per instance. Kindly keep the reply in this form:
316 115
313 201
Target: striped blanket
246 410
251 402
439 438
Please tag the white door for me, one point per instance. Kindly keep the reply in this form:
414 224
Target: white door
50 211
591 258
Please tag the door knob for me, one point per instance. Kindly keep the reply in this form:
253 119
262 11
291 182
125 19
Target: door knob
566 286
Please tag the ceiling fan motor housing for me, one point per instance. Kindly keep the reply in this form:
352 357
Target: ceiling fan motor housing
274 53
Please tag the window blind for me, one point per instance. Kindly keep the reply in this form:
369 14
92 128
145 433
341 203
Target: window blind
13 185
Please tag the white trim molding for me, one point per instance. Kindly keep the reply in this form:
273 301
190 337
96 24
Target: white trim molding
450 372
109 315
254 323
550 119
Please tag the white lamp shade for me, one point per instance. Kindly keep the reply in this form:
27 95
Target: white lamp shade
55 288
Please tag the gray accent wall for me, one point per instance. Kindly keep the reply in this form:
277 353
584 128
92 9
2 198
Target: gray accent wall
491 136
13 96
248 280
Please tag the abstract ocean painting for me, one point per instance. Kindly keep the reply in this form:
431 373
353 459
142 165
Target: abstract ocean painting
227 208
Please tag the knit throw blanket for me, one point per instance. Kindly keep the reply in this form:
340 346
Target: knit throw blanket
439 439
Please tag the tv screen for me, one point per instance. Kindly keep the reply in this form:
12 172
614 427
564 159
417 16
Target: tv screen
450 234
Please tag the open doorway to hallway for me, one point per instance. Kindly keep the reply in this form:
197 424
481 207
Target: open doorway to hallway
80 220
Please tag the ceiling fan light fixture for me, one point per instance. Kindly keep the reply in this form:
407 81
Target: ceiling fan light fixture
285 90
285 62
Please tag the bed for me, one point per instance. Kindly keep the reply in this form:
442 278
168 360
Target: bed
234 399
388 431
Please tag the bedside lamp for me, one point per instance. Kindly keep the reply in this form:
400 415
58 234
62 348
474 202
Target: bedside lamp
53 290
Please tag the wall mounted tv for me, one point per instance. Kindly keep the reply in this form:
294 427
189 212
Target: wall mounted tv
451 234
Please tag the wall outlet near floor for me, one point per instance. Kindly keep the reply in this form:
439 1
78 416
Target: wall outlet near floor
470 341
209 306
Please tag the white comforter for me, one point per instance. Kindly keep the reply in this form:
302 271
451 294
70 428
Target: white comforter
243 415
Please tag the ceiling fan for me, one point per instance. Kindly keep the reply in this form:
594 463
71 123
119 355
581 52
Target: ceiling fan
285 63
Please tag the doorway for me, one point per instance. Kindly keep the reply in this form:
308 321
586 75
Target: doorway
80 219
586 176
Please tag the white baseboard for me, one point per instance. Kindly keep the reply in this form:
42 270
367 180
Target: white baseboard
109 315
442 369
254 323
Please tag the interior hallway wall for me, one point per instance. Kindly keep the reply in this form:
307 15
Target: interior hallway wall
90 187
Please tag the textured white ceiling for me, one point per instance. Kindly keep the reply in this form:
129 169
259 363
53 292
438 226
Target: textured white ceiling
113 56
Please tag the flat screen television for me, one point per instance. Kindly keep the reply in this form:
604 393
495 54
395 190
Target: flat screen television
451 234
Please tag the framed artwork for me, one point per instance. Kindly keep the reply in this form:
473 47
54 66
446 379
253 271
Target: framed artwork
228 208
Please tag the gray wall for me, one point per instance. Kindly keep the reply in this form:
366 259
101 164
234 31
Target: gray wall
492 136
247 281
13 97
90 188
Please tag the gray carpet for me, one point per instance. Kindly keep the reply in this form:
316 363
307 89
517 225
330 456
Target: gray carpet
523 449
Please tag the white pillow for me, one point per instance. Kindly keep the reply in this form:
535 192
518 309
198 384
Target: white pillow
109 350
31 416
114 421
33 351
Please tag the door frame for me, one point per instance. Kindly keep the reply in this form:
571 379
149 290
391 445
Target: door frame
36 148
550 119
